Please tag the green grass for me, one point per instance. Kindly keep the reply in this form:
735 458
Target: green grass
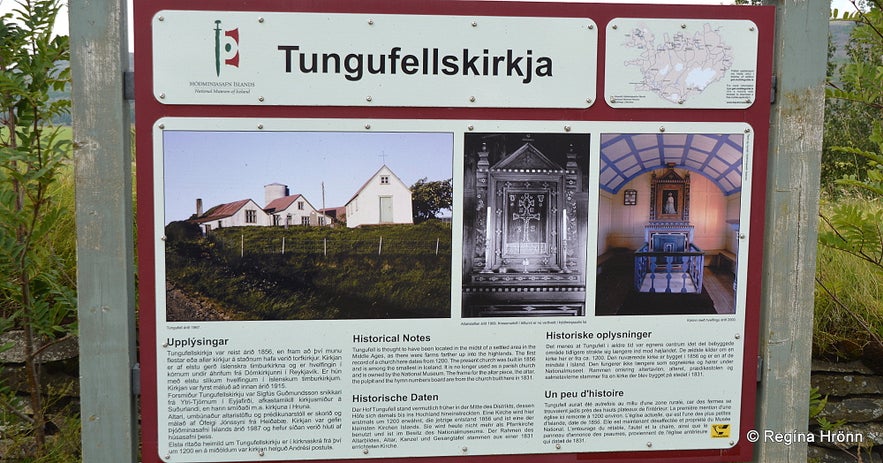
848 300
324 273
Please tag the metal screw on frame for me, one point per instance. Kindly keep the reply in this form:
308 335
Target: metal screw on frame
261 20
470 128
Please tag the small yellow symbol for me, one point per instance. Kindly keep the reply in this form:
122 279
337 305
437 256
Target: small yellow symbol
720 430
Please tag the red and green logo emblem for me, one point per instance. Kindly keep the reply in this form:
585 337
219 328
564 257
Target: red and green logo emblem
226 47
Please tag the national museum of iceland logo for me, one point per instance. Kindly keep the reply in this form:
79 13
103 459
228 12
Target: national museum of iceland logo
226 56
226 47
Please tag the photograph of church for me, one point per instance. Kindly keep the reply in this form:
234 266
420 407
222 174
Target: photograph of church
668 223
524 212
299 225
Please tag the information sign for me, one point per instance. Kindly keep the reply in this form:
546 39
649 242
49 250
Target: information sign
261 58
381 230
461 373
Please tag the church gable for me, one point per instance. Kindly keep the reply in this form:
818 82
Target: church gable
382 178
385 177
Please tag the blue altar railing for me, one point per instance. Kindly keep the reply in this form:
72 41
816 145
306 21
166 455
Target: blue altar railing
667 272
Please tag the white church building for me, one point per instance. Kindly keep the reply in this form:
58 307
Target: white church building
383 199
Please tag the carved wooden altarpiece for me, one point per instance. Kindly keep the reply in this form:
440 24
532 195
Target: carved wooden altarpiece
527 258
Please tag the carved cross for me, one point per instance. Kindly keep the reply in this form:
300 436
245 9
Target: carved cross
526 214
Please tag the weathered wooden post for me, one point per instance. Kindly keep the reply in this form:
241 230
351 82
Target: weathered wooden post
792 213
105 271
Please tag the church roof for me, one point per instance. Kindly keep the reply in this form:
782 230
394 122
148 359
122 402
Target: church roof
715 156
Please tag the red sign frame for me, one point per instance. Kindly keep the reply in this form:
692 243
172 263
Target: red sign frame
149 110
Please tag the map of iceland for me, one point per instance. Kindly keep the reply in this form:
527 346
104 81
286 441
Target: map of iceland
682 64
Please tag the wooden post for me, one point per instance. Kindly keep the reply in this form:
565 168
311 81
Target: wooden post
105 270
791 230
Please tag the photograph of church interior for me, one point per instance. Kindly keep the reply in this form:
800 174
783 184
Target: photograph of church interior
668 223
524 234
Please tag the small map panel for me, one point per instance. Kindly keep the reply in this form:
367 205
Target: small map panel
681 63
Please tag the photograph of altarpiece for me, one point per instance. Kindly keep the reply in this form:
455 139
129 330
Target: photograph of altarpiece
524 225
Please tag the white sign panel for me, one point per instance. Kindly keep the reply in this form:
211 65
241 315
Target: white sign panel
508 328
324 59
680 63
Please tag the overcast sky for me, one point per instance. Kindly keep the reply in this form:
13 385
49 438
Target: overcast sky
222 167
